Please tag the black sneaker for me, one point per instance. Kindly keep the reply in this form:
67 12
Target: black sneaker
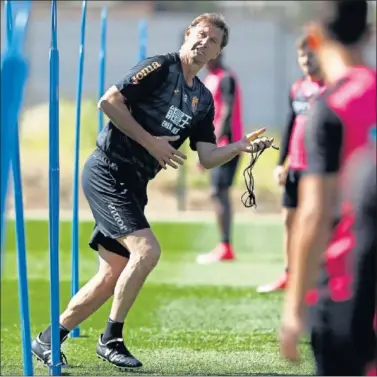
42 351
116 353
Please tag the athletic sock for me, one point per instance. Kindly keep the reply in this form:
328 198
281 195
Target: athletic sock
224 214
113 330
46 335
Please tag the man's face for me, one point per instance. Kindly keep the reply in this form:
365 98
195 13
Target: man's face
203 42
307 61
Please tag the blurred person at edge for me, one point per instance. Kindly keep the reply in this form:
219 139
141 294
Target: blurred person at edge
303 93
334 246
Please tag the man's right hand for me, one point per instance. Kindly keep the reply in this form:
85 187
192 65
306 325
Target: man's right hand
280 175
164 153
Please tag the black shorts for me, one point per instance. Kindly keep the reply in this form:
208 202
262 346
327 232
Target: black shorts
343 335
222 176
117 198
290 196
342 346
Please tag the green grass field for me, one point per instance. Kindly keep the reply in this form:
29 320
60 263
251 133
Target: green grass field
188 320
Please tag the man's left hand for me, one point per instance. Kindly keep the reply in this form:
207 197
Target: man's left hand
290 333
254 146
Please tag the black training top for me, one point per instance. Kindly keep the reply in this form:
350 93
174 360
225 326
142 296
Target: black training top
159 99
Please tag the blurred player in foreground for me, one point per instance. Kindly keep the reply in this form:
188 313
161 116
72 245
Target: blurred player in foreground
158 105
303 93
226 93
337 207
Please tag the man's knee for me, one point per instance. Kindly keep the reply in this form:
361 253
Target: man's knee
144 248
111 266
108 278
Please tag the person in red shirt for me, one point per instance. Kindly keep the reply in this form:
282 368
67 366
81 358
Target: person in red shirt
226 92
302 94
334 246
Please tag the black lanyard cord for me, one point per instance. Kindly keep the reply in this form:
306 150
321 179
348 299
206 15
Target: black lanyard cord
248 198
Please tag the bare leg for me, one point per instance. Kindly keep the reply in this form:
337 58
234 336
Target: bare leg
145 254
288 218
92 295
96 291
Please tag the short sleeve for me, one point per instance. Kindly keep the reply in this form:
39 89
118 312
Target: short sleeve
144 78
323 140
204 130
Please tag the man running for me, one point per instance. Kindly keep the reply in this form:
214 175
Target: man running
337 210
157 106
228 129
303 93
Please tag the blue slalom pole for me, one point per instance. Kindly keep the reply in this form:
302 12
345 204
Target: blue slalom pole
9 21
23 288
14 72
143 39
75 215
54 188
102 64
20 232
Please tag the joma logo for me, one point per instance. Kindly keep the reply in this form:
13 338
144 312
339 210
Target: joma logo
145 72
117 217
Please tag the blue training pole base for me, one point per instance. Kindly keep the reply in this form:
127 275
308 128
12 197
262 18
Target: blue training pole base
54 370
75 333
